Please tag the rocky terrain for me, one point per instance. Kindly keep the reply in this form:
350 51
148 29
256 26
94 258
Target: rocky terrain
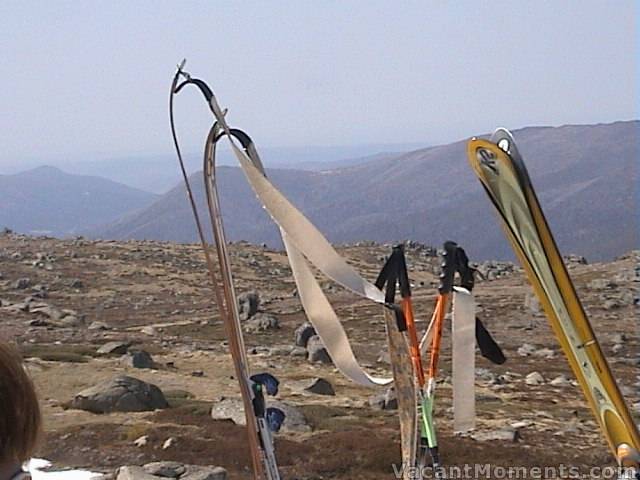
110 326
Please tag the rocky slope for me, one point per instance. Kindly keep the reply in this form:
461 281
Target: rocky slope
64 302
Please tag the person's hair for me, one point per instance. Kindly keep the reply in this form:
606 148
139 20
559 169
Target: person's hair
20 418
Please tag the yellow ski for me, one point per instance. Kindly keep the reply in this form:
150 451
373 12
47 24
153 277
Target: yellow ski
504 176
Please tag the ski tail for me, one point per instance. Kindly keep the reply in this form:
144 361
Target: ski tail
402 364
502 172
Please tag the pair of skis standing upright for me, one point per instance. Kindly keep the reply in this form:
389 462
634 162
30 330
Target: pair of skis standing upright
261 420
502 173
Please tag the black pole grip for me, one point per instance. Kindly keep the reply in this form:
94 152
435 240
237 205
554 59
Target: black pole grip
467 274
448 267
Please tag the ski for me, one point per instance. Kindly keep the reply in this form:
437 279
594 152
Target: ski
428 436
416 391
502 172
402 358
260 420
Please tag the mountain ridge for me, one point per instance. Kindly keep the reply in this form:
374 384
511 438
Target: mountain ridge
47 200
431 194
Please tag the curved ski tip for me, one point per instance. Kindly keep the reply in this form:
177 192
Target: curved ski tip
503 139
502 132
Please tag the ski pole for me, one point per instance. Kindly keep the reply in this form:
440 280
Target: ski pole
429 440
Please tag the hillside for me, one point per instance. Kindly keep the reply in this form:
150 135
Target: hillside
74 307
48 201
585 175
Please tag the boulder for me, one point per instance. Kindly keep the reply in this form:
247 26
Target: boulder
229 409
40 291
303 333
70 319
280 350
134 473
165 469
22 283
385 401
575 259
261 323
115 348
508 434
560 381
121 394
320 386
149 330
619 338
612 304
526 349
295 421
138 359
534 378
248 304
600 284
298 352
141 441
545 353
316 352
195 472
617 348
233 409
97 325
44 309
105 476
486 375
169 443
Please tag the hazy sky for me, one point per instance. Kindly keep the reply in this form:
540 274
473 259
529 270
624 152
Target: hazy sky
86 79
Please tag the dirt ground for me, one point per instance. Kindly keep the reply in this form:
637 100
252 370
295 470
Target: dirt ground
132 285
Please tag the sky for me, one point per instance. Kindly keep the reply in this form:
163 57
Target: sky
90 79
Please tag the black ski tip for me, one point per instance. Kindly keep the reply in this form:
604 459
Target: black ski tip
204 88
269 382
489 348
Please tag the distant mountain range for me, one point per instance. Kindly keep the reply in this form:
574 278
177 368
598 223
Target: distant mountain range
586 177
160 173
48 201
